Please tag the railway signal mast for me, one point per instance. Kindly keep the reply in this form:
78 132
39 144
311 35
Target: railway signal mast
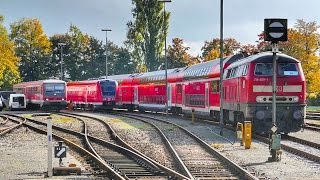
275 30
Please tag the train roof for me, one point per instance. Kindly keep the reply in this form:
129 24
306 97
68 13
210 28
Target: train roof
209 68
265 57
41 82
93 81
156 76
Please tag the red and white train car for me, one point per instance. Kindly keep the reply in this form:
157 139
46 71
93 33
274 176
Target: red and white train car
246 87
92 94
45 94
248 92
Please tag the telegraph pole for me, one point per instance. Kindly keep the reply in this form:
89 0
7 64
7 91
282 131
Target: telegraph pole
106 30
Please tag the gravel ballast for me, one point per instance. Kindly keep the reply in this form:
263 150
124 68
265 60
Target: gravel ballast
23 155
254 159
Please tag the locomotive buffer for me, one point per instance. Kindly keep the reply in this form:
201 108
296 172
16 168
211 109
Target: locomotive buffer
275 30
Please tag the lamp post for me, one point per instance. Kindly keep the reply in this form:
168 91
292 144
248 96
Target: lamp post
61 59
165 50
106 30
221 67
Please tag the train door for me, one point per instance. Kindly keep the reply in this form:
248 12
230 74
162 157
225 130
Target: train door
135 95
169 96
120 96
207 96
183 95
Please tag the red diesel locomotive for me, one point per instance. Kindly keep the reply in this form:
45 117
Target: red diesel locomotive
246 85
92 94
45 94
248 92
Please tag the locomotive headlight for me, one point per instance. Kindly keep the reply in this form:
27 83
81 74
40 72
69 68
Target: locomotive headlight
260 115
297 115
47 99
62 99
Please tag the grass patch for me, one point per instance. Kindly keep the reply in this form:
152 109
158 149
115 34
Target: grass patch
126 123
27 115
62 119
313 108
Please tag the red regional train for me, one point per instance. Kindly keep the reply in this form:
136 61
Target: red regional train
45 94
92 94
247 91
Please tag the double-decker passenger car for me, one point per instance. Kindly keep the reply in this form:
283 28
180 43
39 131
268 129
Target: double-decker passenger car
45 94
92 94
247 91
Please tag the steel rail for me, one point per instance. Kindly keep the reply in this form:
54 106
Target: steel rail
92 149
119 140
9 129
122 150
81 150
182 167
243 173
302 141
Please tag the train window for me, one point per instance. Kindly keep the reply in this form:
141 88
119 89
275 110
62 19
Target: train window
245 70
289 69
263 69
215 86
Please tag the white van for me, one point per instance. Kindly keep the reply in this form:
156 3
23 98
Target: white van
17 101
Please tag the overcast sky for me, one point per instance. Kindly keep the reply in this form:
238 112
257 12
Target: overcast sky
192 20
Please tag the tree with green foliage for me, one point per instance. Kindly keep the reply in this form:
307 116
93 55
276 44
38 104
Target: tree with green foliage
145 36
211 49
178 55
33 47
54 66
9 72
75 53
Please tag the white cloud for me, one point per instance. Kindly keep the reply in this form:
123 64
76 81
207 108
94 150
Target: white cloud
195 47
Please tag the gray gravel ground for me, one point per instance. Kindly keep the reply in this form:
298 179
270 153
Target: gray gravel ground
307 135
23 155
256 158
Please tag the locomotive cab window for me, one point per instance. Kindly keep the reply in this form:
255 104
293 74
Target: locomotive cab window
288 69
263 69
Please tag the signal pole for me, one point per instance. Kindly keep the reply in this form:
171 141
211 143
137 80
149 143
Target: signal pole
221 67
165 52
61 59
275 30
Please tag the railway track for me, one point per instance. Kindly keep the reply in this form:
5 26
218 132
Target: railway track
116 139
103 168
285 147
131 168
213 165
7 127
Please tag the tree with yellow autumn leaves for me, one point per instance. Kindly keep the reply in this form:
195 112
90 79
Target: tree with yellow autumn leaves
9 70
303 44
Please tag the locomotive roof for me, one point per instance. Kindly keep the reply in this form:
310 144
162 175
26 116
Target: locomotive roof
265 57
